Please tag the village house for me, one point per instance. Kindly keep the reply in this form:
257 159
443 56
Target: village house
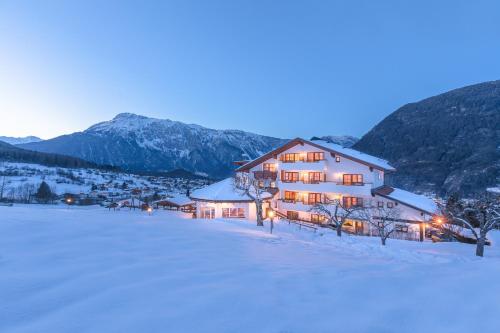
224 200
303 173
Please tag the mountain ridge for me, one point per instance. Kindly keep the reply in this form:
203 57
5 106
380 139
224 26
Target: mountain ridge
141 143
19 140
443 144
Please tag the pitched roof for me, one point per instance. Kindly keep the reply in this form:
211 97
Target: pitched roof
416 201
349 153
180 201
223 191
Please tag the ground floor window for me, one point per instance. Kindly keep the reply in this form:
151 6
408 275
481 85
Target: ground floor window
291 215
317 218
207 213
233 212
401 228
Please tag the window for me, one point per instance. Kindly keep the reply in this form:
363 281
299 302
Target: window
271 167
337 159
390 205
314 177
290 157
313 198
380 204
355 179
401 228
261 184
317 218
290 196
207 212
315 156
291 215
290 177
233 212
352 202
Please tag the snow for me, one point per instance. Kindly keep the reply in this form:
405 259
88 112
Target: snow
180 200
21 140
419 201
223 191
93 270
81 180
356 154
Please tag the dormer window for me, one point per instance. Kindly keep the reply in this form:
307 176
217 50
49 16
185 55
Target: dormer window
337 159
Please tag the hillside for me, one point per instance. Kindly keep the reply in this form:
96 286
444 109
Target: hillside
139 143
10 153
444 144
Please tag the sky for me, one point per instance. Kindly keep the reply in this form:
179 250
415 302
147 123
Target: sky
279 68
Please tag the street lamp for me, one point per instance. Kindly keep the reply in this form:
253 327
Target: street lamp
271 217
150 210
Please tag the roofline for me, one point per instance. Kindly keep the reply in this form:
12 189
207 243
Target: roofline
402 202
230 201
296 141
172 203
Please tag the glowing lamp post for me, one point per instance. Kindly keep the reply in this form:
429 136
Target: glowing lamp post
150 210
69 200
271 217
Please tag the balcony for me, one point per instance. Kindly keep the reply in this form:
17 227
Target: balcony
304 166
265 175
293 205
327 187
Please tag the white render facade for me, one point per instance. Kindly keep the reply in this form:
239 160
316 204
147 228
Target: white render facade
223 200
303 173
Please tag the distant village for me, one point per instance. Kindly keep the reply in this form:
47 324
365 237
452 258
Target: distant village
30 183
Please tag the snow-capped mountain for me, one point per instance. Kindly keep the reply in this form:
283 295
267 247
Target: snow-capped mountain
346 141
18 141
140 143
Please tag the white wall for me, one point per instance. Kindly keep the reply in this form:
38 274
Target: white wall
250 209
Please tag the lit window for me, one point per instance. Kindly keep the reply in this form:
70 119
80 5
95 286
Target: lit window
317 218
352 202
233 212
352 179
337 159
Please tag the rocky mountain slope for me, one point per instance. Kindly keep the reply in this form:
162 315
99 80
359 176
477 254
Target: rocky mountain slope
146 144
18 141
342 140
444 144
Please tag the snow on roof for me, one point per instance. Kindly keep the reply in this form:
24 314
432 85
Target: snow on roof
356 154
415 200
180 200
223 191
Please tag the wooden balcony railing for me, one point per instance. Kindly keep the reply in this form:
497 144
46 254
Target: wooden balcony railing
303 201
306 160
261 175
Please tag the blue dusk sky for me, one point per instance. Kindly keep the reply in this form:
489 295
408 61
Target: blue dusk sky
280 68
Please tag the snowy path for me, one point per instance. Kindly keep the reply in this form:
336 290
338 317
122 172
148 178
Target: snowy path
90 270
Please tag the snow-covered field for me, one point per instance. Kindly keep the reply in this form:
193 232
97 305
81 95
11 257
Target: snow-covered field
93 270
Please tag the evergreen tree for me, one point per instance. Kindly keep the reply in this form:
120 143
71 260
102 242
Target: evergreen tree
44 193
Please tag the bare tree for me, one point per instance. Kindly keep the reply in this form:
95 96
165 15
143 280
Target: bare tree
382 219
479 216
336 212
253 189
2 188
